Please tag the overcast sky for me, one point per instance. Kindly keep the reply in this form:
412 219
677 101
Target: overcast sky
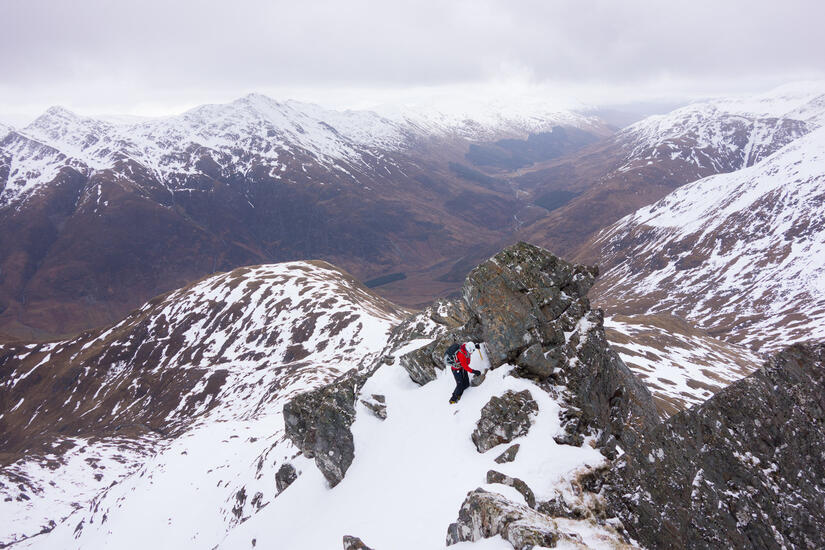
161 56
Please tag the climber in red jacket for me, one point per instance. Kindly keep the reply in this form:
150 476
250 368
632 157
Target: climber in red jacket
457 357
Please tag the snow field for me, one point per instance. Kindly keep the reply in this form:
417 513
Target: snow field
412 471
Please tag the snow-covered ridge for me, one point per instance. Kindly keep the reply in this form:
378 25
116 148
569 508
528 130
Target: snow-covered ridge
728 133
209 364
254 131
740 254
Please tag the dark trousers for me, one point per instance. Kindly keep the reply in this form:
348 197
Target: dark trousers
462 382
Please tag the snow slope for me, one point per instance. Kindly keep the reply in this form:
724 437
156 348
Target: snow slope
414 469
741 254
205 367
682 366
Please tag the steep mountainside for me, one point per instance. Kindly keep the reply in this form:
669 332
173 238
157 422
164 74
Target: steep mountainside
98 216
680 364
740 254
642 163
743 470
202 366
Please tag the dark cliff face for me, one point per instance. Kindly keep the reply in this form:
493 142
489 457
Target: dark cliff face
746 469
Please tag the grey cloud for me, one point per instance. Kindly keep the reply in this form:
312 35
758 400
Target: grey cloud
104 51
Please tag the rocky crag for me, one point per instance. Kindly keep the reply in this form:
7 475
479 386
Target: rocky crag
531 310
743 470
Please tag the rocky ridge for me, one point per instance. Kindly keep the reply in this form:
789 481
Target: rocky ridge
362 427
745 469
529 307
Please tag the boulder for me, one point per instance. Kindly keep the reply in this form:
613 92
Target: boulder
519 295
503 419
318 422
497 477
420 364
377 404
484 515
284 477
509 455
557 507
354 543
745 469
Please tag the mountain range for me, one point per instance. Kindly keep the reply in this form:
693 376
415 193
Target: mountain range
289 405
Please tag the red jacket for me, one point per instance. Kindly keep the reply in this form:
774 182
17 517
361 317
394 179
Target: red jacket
463 359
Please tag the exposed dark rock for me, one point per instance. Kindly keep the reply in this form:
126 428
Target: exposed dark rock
525 299
477 380
420 364
504 419
446 321
354 543
377 405
608 395
319 422
514 482
484 515
509 455
557 507
285 476
519 294
745 469
541 363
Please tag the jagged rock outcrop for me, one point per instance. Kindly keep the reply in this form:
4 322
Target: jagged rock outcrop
446 321
377 404
532 310
319 422
284 477
519 485
354 543
524 296
746 469
484 514
504 419
606 397
509 455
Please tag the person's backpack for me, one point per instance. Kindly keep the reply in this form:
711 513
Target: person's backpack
451 356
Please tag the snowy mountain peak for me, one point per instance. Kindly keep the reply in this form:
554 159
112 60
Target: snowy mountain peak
254 133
